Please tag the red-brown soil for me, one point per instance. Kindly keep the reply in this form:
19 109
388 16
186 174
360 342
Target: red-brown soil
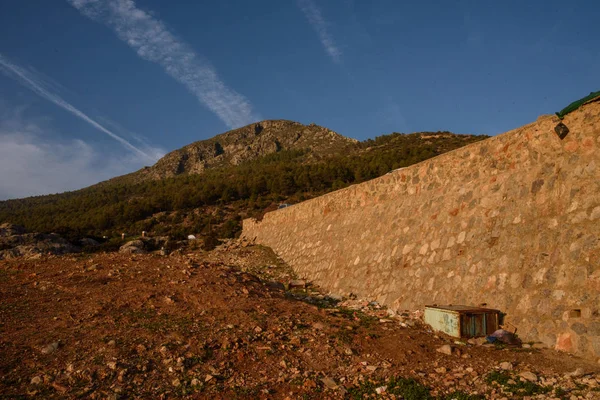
198 325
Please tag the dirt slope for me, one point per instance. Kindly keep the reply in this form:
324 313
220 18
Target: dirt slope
198 326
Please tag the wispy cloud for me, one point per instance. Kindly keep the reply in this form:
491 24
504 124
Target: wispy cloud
315 18
46 89
32 162
152 41
155 152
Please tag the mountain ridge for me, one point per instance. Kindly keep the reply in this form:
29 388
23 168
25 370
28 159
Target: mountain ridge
246 143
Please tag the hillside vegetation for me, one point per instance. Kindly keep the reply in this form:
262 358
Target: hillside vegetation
174 200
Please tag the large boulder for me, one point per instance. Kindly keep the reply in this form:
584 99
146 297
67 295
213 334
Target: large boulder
134 247
148 244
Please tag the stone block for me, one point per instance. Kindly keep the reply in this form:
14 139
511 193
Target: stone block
564 342
579 328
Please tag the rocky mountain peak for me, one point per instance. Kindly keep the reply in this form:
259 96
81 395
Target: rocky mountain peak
247 143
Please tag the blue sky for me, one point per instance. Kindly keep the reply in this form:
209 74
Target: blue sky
90 89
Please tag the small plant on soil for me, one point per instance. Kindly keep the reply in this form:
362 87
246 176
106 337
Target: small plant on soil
514 385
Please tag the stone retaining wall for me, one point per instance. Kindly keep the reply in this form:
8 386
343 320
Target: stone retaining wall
513 221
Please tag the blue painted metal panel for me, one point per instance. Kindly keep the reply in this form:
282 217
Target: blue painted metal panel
443 320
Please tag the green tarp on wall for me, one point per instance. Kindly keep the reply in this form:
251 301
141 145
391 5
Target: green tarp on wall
576 104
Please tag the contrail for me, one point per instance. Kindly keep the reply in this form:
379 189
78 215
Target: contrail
152 41
316 20
37 85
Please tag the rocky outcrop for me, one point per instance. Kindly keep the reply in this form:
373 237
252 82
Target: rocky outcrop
134 247
247 143
15 242
7 230
146 245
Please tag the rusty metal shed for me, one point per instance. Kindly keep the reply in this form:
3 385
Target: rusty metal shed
462 321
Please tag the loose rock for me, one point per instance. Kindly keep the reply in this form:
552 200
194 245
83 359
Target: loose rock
506 366
297 283
529 376
445 349
330 383
51 348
